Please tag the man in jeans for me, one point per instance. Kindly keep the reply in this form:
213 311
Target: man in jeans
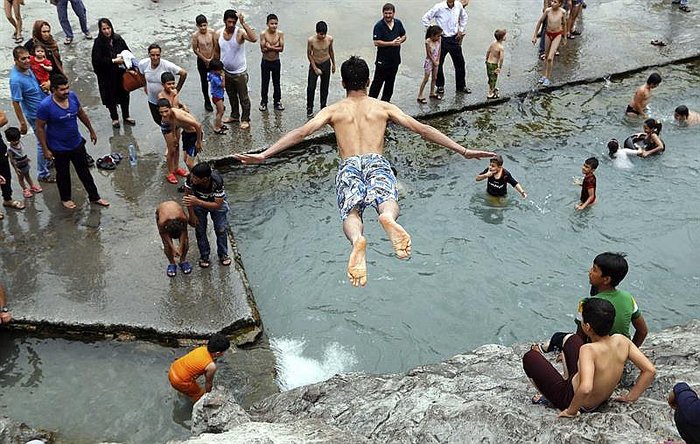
388 36
26 97
452 18
231 40
205 195
80 11
60 138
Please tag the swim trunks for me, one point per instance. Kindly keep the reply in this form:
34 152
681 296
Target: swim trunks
632 110
554 35
363 181
491 74
189 142
165 127
216 100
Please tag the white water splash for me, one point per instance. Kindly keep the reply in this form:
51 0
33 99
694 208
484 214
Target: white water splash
295 370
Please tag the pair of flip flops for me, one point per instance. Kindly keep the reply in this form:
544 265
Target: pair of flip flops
658 43
109 162
186 268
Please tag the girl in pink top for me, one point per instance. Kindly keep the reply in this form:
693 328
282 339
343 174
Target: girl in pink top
433 38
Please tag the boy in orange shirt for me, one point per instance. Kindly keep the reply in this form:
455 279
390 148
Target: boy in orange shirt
200 361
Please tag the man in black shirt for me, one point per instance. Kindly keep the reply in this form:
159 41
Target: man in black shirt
388 36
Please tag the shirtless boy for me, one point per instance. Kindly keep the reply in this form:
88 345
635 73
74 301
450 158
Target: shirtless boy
319 51
173 119
172 225
494 61
170 91
364 176
686 117
555 19
592 371
640 100
271 45
206 48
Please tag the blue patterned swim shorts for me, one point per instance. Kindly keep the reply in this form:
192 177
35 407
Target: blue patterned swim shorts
363 181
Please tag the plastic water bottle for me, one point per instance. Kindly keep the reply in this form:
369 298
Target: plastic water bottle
132 154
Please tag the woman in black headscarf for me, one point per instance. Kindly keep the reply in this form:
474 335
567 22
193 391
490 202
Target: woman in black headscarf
108 66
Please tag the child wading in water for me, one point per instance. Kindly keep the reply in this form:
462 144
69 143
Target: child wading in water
20 161
588 184
494 61
555 18
216 84
433 39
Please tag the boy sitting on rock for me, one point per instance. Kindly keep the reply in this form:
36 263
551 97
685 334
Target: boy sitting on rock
591 371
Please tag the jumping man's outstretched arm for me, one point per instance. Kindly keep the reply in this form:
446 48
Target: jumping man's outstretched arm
290 139
431 134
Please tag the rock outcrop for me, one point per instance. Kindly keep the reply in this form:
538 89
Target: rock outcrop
482 396
15 432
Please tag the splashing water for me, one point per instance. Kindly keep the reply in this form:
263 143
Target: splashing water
295 370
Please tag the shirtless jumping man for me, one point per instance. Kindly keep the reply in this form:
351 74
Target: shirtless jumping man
364 176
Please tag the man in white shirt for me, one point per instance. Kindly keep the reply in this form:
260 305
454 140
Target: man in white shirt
452 18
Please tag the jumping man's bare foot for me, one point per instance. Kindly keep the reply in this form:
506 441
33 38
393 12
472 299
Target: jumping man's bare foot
400 239
357 266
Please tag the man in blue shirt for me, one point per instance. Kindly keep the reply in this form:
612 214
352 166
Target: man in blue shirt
687 416
59 136
26 97
388 36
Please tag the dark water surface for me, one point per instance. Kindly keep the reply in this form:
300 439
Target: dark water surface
481 272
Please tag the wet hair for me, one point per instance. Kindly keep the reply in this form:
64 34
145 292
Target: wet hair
201 170
388 7
164 103
613 146
682 110
321 27
592 162
154 46
218 343
167 77
271 17
654 79
654 125
200 19
57 80
599 314
432 31
498 160
355 74
230 14
19 50
12 134
216 65
612 265
174 227
499 34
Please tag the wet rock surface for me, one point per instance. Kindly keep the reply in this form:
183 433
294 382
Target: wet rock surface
482 396
14 432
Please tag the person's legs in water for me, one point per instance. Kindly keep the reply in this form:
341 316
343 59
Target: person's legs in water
357 264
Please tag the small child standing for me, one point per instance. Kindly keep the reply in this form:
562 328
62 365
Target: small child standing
433 41
20 161
554 18
41 66
494 61
216 86
271 45
588 185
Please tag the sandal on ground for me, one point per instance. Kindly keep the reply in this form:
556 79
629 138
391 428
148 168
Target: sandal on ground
575 32
67 41
182 172
204 263
541 400
69 204
224 127
221 131
225 261
19 39
684 8
492 96
15 204
47 179
658 43
27 193
130 121
100 202
185 267
171 178
36 188
542 56
421 100
436 96
115 124
172 270
571 36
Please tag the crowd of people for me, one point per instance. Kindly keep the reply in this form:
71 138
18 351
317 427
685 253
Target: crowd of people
593 356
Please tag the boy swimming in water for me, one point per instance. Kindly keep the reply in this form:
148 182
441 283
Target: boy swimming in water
640 100
684 116
588 185
498 179
364 176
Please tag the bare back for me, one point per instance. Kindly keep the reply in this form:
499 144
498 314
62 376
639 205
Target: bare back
359 123
608 357
169 210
